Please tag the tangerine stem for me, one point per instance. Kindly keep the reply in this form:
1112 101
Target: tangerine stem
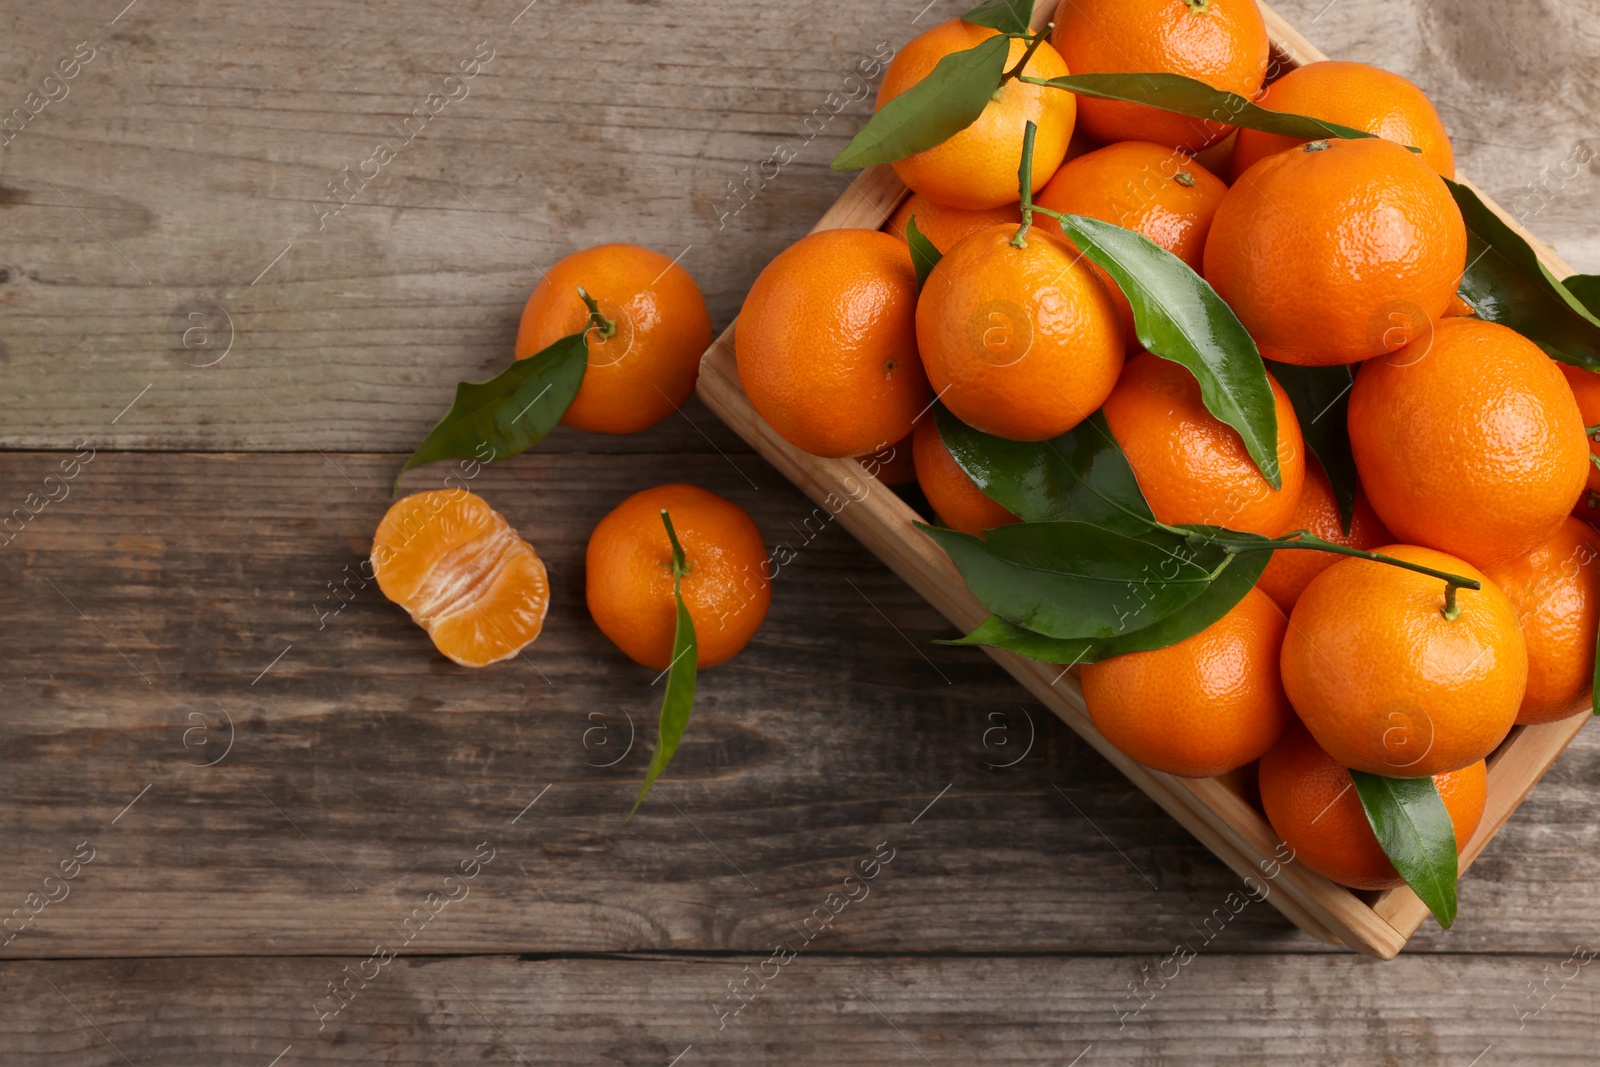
680 563
1025 183
1307 540
1033 46
596 321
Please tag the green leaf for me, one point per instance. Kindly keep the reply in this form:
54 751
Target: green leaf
1506 283
1081 475
1179 317
1007 16
1230 587
1321 399
1586 287
1413 826
511 412
1196 99
1075 579
932 111
924 256
678 701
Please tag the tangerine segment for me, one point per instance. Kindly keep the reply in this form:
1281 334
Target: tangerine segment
629 575
1022 343
1312 805
646 369
1468 440
1207 705
1556 591
463 574
1358 95
1337 251
977 167
1386 683
1223 43
1192 466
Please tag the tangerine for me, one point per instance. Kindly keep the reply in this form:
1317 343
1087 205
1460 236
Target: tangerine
1357 95
1193 467
946 226
1337 251
1021 343
977 167
463 575
827 343
1223 43
954 497
1585 385
1386 682
1158 192
1468 440
629 575
1556 591
1202 707
1313 806
645 370
1289 572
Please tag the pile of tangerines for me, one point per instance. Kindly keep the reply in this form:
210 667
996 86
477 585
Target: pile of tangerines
1429 586
1179 358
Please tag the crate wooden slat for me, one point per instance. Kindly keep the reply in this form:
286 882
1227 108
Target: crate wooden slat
1214 810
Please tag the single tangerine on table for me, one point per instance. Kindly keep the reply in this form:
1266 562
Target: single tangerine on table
954 497
1357 95
645 370
1022 343
629 575
1469 441
463 574
1337 251
1312 805
826 343
1388 683
977 167
1158 192
1556 591
1207 705
945 226
1223 43
1193 467
1289 572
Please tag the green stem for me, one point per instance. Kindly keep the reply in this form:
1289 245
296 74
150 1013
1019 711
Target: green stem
596 321
1033 46
1025 183
1305 540
1595 460
680 563
1592 430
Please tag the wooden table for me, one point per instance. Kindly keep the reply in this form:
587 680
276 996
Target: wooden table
258 771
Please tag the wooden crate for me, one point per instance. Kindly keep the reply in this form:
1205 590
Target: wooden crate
1215 810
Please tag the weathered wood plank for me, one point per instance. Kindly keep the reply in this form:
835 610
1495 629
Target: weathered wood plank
831 733
161 187
1210 1009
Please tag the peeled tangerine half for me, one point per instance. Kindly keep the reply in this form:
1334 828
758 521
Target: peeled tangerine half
462 572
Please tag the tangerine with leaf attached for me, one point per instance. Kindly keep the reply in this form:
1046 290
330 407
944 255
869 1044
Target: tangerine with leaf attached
628 581
644 368
977 167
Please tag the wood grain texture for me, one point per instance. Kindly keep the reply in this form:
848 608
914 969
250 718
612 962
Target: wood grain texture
815 1010
831 733
191 152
